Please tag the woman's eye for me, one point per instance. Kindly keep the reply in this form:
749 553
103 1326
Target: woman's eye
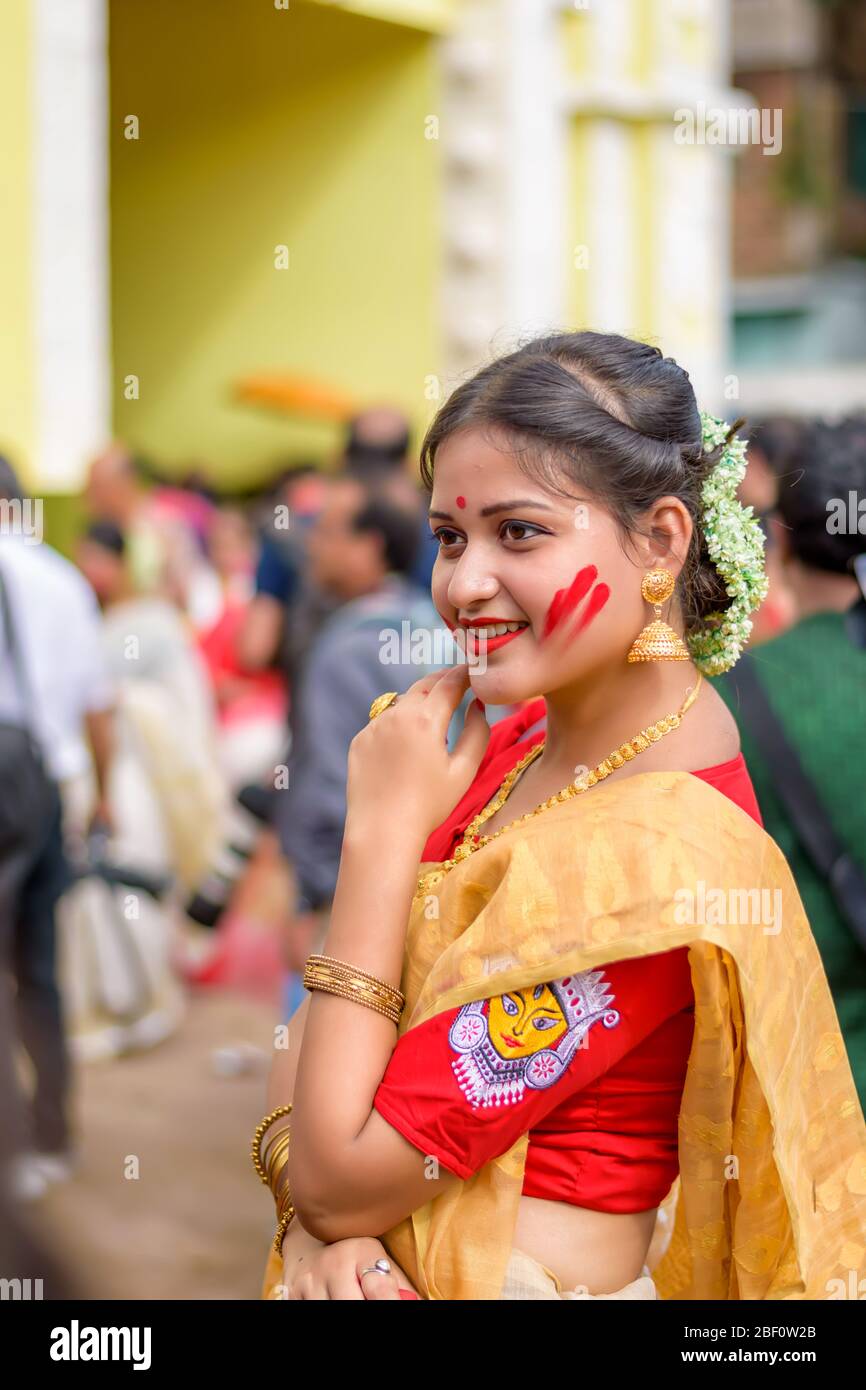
510 531
543 1023
510 1005
524 529
446 537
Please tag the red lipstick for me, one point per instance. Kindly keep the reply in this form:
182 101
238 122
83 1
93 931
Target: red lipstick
475 647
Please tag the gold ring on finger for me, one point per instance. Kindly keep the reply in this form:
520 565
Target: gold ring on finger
382 702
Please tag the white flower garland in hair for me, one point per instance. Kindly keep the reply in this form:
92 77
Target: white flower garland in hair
735 543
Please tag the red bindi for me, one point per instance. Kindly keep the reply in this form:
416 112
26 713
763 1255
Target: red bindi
461 502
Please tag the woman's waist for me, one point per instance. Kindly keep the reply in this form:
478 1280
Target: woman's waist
601 1250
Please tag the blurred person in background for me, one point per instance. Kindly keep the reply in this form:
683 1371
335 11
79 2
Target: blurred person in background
361 551
377 451
162 528
286 609
53 682
163 687
772 443
251 704
170 803
254 659
183 514
812 686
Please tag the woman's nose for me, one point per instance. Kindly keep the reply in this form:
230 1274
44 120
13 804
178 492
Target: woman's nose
471 583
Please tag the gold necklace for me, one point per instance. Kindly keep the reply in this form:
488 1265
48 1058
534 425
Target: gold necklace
472 841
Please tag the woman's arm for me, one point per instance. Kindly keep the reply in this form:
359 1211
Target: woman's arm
351 1173
313 1269
298 1245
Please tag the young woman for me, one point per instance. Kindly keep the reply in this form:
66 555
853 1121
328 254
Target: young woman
583 1038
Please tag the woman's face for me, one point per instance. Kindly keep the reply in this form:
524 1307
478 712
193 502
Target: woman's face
513 552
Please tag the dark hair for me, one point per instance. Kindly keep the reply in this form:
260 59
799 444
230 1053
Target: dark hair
398 529
10 484
368 458
618 418
106 535
828 463
777 437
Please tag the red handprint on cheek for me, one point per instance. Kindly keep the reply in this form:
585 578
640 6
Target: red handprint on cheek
565 602
597 599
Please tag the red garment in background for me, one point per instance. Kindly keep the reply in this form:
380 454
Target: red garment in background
240 694
603 1123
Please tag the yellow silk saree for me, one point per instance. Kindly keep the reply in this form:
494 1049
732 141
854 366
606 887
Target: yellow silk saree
770 1202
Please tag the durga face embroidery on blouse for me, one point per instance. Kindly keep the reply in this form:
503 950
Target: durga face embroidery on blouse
526 1037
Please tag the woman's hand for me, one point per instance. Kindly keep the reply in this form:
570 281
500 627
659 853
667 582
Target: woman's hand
334 1272
400 769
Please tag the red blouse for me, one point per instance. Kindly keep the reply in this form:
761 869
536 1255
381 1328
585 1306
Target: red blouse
592 1065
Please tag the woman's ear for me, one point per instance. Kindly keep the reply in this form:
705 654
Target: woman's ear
668 526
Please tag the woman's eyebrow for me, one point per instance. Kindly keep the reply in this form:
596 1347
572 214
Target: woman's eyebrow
498 507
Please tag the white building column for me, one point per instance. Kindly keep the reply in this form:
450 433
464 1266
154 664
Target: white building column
534 167
70 283
505 180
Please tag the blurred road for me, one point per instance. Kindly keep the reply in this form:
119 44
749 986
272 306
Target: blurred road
196 1223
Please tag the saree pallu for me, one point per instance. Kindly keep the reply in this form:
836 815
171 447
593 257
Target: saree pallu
770 1202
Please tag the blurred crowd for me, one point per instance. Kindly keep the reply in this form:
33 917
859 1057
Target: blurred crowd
178 698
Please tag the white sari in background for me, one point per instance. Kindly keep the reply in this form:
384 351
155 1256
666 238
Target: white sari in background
169 804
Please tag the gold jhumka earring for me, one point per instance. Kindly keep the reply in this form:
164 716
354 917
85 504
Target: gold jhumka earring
658 641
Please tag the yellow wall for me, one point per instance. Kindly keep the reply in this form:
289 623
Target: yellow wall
17 345
436 15
261 127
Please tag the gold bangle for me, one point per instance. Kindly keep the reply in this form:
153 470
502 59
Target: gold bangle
261 1164
346 991
255 1149
275 1166
279 1146
276 1159
283 1225
343 967
285 1202
282 1193
374 988
337 977
278 1179
318 977
270 1145
280 1184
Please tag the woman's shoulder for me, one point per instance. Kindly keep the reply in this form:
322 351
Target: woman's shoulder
714 738
707 738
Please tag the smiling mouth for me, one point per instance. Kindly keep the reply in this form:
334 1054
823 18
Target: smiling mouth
487 637
510 1041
